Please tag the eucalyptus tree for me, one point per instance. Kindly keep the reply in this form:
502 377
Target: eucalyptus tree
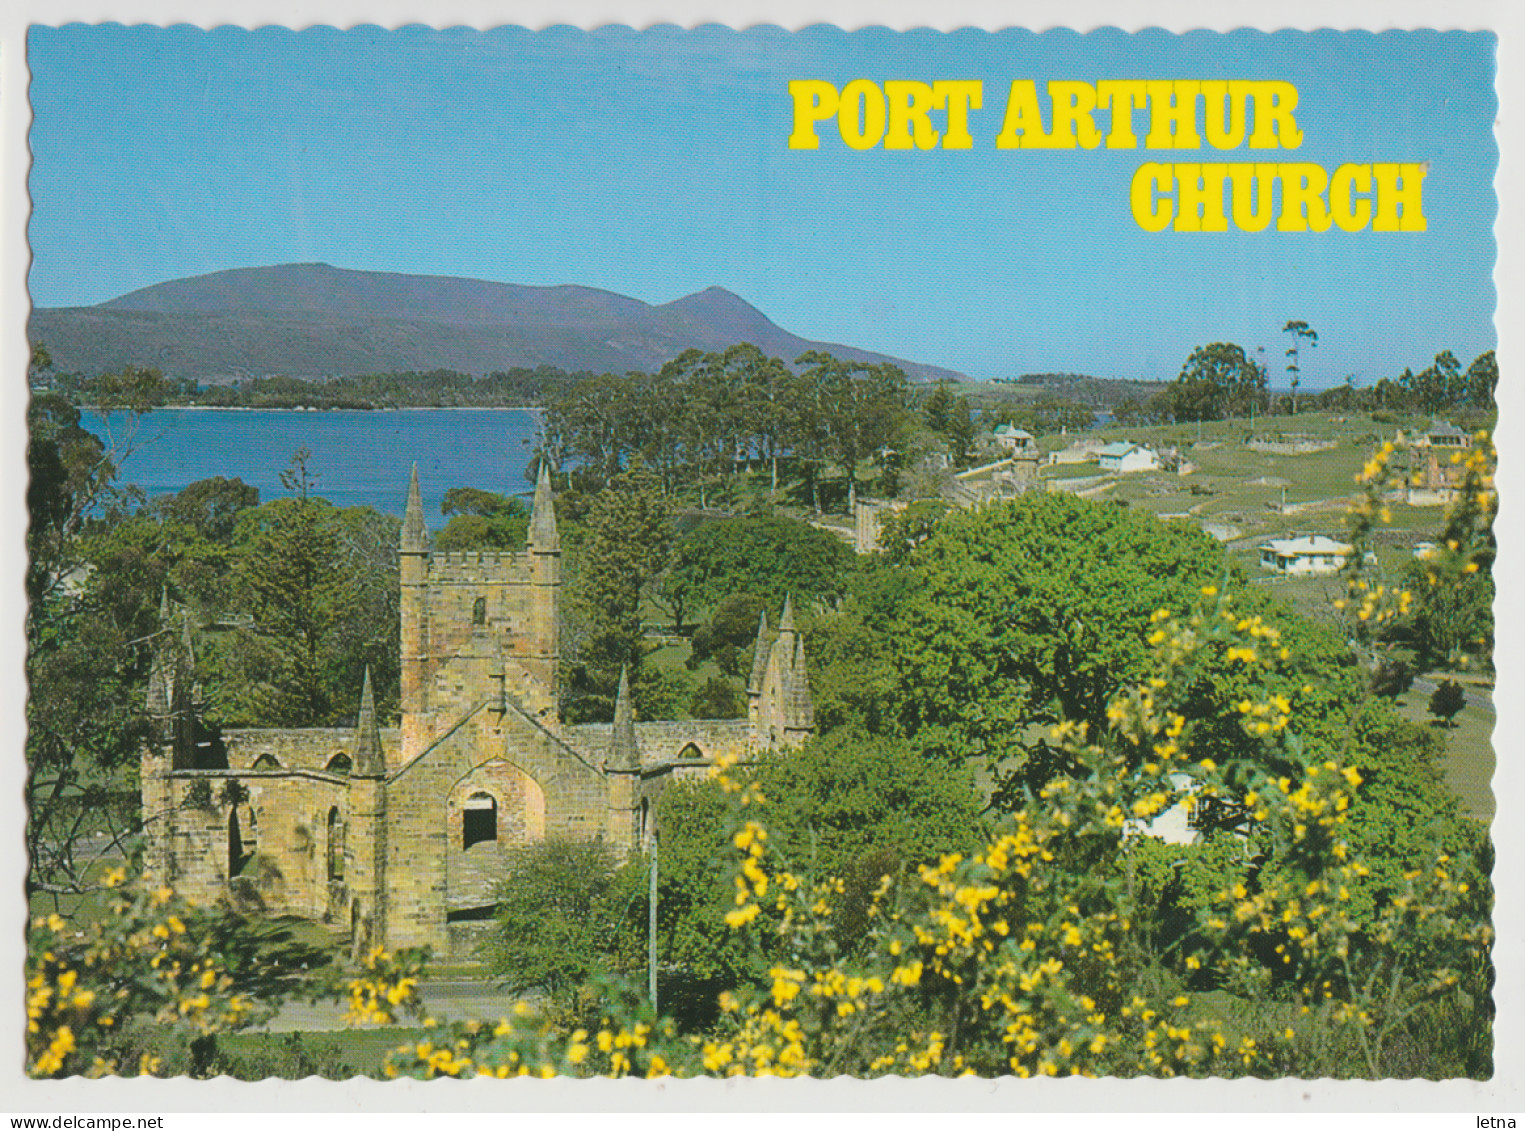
1300 332
863 409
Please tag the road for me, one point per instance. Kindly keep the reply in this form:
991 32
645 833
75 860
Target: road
455 999
1474 698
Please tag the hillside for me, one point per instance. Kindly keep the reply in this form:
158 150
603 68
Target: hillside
312 320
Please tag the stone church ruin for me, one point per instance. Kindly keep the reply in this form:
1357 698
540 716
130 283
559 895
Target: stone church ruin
399 835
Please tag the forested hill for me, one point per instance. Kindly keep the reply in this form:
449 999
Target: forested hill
310 320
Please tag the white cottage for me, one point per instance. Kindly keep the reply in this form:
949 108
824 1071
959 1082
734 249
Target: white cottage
1125 457
1311 554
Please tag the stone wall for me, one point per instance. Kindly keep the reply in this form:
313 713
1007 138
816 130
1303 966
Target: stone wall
473 874
282 828
1291 446
310 749
423 842
670 740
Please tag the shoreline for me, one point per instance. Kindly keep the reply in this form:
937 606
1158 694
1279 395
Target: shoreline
96 409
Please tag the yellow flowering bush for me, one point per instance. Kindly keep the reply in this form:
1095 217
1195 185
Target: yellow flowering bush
151 961
1442 598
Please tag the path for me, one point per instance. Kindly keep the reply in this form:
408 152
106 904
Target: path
454 999
1474 699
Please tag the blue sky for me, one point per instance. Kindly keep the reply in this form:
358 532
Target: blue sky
655 164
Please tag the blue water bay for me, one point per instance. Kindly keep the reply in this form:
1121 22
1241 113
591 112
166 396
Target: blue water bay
358 458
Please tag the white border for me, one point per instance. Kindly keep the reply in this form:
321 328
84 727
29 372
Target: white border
1500 1096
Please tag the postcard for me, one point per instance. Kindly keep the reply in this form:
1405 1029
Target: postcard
692 554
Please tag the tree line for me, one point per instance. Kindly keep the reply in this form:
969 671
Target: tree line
1220 380
704 417
437 388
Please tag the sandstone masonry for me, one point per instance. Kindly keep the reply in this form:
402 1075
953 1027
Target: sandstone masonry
400 836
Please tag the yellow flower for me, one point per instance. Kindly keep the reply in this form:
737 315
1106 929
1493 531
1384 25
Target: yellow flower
741 916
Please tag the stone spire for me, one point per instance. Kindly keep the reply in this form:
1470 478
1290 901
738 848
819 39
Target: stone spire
786 622
623 753
369 760
160 673
187 644
543 536
799 707
415 531
186 683
759 656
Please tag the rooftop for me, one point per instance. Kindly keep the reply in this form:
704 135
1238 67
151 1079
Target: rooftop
1307 544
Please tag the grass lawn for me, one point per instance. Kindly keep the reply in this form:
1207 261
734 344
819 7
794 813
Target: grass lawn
1086 470
1469 757
339 1054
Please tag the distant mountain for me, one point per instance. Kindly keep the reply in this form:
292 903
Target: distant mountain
312 320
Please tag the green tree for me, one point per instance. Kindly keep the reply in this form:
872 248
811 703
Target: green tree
961 432
706 423
1391 678
1482 379
660 692
366 635
1128 411
211 506
717 698
698 955
1453 586
1447 701
657 404
765 387
569 912
937 408
857 807
85 721
592 421
731 629
625 546
1301 332
1217 381
297 589
1031 611
1452 621
862 407
1438 386
847 799
902 531
482 520
854 671
768 557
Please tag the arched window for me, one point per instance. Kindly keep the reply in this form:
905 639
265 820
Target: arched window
479 820
335 846
266 762
339 764
479 611
690 751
